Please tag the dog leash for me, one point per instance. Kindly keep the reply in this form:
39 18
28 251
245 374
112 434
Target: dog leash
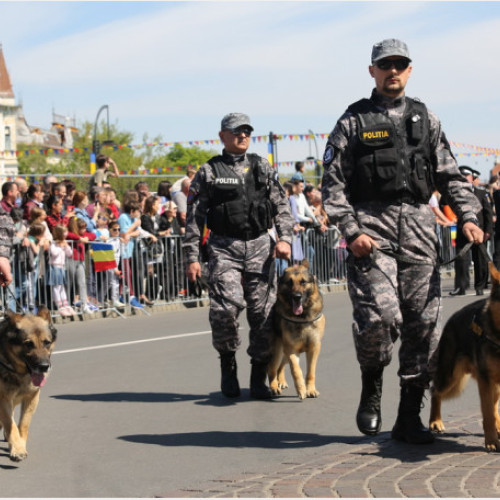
408 260
14 297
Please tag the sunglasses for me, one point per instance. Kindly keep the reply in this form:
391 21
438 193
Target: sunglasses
242 130
399 64
115 229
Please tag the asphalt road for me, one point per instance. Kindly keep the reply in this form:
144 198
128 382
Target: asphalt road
132 409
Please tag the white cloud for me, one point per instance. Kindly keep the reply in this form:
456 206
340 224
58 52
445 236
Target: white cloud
176 68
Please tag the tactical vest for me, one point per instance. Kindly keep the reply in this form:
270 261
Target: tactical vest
391 163
239 208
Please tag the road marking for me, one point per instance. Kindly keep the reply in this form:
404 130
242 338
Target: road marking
132 342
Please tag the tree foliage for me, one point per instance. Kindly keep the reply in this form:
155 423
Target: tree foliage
116 143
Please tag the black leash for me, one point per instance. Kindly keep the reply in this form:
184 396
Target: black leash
391 252
14 297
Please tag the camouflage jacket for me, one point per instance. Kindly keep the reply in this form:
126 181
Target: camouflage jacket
338 165
198 203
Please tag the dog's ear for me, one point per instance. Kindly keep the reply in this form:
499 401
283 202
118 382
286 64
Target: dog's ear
11 317
305 263
44 313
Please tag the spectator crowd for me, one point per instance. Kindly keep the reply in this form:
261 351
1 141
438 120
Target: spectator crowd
56 225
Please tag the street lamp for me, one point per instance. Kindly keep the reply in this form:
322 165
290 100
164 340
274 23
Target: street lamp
317 163
96 146
95 143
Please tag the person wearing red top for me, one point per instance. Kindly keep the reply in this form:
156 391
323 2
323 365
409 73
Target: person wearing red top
54 214
79 236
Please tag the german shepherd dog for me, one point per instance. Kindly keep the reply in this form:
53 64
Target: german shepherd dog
470 345
299 325
26 343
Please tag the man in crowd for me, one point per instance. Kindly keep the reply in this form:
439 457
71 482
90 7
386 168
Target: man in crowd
462 262
382 162
103 165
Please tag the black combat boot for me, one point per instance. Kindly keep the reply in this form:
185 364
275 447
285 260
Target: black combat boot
368 417
258 387
229 382
408 426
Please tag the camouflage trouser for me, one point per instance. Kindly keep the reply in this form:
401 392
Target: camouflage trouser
394 299
240 276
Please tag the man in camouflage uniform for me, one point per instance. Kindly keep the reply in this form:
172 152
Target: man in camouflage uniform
382 161
240 198
485 219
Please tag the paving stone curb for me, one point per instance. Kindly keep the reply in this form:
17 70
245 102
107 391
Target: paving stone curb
456 465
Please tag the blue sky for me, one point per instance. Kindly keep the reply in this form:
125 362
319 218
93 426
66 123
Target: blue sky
173 69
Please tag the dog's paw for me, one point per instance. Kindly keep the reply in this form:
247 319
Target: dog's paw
437 426
18 455
312 393
283 385
275 388
493 445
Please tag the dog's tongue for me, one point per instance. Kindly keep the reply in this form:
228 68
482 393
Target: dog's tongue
38 379
298 309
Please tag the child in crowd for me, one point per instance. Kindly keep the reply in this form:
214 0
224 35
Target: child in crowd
76 266
102 231
130 223
19 262
37 241
39 216
59 250
112 276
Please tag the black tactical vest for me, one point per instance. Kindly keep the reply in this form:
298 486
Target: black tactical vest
239 208
391 163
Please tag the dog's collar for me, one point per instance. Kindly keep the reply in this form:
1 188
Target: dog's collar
299 320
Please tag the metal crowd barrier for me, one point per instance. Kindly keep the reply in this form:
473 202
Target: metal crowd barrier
158 272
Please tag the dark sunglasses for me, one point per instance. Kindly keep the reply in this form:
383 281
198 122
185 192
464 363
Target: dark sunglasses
242 130
114 229
399 64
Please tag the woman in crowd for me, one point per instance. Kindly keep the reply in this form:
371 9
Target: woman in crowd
34 198
81 202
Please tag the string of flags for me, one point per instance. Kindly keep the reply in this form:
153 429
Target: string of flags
475 150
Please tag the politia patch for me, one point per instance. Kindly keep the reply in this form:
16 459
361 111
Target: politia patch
328 156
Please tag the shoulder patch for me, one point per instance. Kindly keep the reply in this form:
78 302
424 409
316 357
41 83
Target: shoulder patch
328 156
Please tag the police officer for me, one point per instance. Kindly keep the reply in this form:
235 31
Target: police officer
382 162
462 263
240 198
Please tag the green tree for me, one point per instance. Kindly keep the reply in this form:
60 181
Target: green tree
181 156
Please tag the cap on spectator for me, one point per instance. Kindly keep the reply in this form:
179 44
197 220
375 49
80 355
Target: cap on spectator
389 47
234 120
465 170
297 177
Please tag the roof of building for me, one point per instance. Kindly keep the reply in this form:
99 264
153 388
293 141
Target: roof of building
5 84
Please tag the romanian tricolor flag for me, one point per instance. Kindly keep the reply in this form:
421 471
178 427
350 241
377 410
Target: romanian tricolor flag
103 256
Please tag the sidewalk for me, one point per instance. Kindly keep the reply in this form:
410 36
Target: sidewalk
456 465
